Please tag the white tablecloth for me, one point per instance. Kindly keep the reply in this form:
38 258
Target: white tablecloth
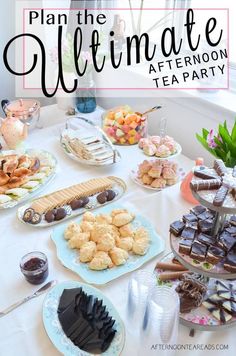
22 332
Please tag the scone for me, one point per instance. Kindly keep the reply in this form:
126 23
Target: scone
158 183
140 246
126 230
72 229
155 171
89 217
118 211
104 219
126 243
87 251
100 261
141 233
86 226
118 256
106 243
122 219
99 230
78 240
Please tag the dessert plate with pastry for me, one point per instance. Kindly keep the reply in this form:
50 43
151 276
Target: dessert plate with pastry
81 321
104 245
86 143
157 174
22 175
69 202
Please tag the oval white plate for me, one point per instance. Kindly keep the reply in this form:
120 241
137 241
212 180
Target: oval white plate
177 153
135 179
42 155
54 329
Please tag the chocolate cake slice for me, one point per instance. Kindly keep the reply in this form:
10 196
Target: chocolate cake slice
205 226
215 255
185 246
206 239
198 251
226 241
189 218
188 233
177 227
198 209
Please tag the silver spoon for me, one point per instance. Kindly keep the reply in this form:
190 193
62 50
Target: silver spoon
148 111
40 291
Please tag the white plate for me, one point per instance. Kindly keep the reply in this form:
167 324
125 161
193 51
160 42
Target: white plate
135 179
119 188
177 153
44 156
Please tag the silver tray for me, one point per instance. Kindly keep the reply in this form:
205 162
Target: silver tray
42 155
82 124
119 187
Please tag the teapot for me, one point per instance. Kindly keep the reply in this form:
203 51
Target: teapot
27 110
13 131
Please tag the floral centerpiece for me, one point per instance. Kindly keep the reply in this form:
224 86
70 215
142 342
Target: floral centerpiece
221 144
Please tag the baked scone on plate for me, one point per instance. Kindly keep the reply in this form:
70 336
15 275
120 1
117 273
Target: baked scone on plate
72 229
126 243
100 261
118 256
122 219
140 246
106 243
87 251
78 240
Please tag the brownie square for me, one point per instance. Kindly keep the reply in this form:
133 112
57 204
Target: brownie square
177 227
189 218
233 220
231 230
199 209
215 255
207 215
230 262
198 251
206 239
185 246
226 241
193 225
188 233
205 226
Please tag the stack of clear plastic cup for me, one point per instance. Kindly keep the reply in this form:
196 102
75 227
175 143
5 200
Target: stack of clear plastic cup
140 285
160 323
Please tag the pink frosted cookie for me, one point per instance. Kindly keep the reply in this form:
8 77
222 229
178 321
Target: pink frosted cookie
149 149
156 140
162 151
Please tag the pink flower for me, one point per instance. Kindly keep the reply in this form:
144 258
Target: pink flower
210 139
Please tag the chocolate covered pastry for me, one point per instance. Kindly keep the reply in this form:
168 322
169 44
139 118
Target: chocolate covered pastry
207 184
206 239
197 210
177 227
185 246
230 262
203 172
226 241
233 220
191 293
189 218
188 233
220 196
214 255
198 251
219 167
85 321
205 226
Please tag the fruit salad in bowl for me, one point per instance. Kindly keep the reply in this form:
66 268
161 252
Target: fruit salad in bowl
124 126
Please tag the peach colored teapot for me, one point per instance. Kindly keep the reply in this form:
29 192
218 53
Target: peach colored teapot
13 131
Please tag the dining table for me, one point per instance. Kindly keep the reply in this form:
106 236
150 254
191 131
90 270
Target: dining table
22 331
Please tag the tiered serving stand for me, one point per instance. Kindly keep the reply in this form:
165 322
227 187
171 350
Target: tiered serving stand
201 318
